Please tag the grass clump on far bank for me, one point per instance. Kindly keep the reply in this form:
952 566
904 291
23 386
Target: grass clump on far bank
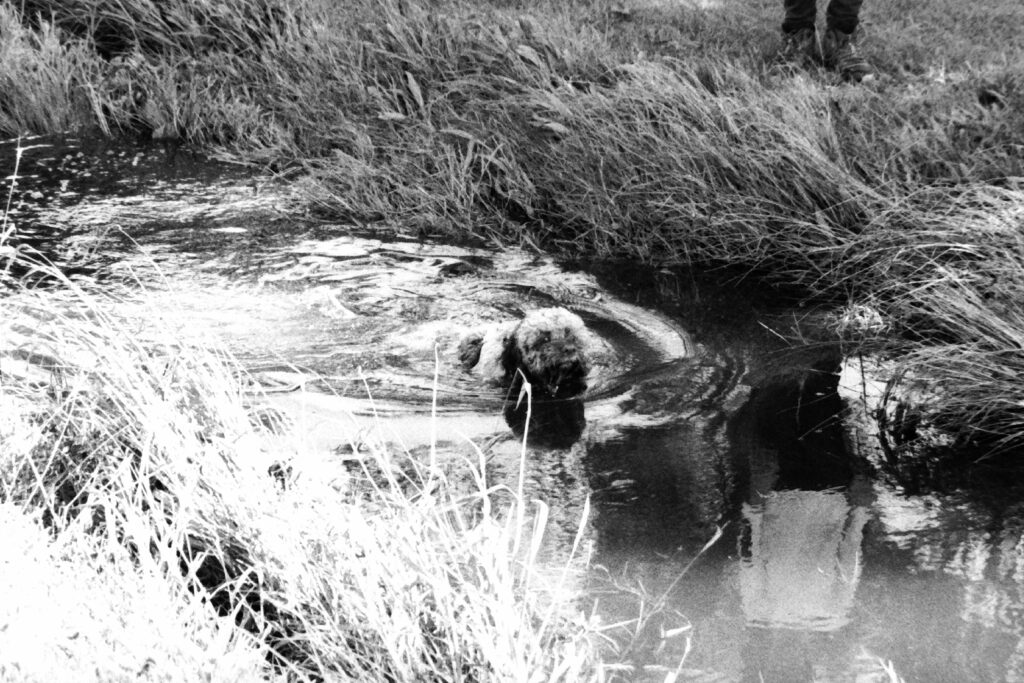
44 80
152 526
650 131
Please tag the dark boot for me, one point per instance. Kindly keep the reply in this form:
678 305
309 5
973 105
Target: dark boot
839 53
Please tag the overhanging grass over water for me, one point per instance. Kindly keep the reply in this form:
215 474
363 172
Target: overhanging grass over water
654 132
153 523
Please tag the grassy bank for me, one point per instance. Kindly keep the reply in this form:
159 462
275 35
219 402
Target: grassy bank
652 131
139 494
154 526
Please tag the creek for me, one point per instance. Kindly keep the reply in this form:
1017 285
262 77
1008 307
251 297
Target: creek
706 419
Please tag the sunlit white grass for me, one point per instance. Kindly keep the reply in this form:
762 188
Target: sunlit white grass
118 453
78 608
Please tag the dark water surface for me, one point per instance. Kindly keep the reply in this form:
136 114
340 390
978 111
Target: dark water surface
706 419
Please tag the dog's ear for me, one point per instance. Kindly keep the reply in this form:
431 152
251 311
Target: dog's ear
469 349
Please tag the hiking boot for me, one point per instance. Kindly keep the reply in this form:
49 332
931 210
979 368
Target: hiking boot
799 47
839 53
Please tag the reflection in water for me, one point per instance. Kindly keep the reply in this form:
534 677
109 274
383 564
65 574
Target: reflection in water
800 560
553 423
761 453
801 544
824 570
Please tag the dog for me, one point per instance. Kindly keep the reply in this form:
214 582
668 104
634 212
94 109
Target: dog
548 348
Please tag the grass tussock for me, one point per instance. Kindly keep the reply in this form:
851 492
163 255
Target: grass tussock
161 529
652 131
43 78
79 608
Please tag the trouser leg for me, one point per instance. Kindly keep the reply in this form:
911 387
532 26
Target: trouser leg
799 14
843 15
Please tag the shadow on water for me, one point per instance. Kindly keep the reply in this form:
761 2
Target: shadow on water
709 416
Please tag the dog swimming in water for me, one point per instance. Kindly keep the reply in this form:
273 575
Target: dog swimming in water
548 347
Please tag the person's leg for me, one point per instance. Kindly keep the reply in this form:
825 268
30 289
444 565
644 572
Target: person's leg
800 14
843 15
838 50
799 37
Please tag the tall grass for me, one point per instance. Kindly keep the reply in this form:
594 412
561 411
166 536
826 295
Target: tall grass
43 80
161 529
656 133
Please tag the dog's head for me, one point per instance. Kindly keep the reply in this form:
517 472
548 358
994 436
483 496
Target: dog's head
549 347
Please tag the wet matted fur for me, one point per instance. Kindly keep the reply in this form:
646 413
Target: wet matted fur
548 347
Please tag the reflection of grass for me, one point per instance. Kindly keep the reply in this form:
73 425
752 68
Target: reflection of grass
145 531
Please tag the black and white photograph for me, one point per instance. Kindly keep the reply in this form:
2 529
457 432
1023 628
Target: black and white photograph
472 341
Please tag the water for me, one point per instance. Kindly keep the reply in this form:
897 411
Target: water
706 420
